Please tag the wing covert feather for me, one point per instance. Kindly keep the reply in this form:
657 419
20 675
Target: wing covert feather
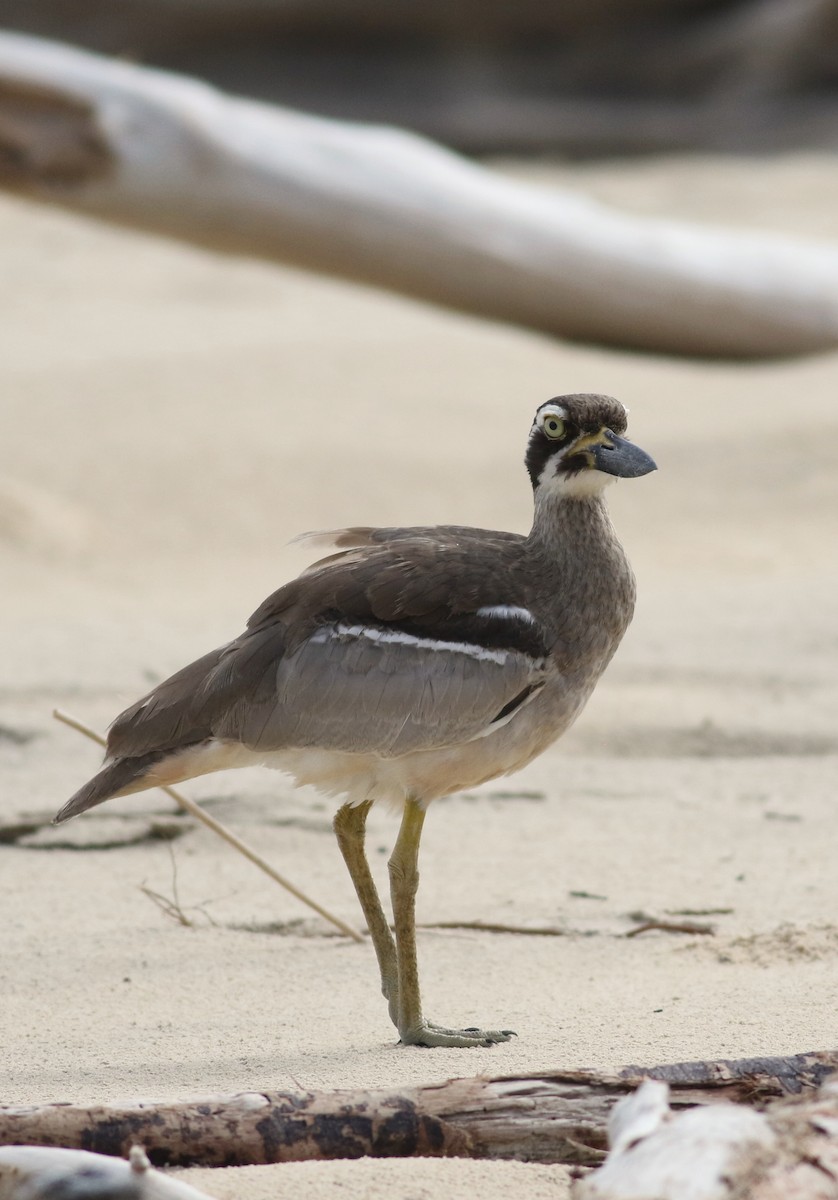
392 574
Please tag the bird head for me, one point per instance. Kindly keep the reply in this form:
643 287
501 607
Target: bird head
576 445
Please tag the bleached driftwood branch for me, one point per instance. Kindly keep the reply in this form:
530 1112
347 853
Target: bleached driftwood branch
38 1173
168 154
550 1117
726 1152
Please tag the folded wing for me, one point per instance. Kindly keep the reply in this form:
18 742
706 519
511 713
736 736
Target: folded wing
371 688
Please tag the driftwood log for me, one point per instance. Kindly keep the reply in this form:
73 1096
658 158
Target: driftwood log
168 154
556 1117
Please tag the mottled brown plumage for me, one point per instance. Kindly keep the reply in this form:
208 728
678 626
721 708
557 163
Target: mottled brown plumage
408 664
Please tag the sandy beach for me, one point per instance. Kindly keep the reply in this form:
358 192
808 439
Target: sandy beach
170 421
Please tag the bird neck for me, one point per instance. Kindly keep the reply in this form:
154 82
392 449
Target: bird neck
567 526
581 564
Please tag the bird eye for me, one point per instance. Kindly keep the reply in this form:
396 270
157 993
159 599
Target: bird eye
553 426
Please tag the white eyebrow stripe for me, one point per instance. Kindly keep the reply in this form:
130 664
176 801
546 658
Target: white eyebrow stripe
397 637
554 410
507 612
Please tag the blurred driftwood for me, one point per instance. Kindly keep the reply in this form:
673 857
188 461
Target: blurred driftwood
556 1116
579 77
174 156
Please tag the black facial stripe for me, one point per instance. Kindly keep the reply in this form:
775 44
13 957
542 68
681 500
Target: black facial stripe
574 463
540 449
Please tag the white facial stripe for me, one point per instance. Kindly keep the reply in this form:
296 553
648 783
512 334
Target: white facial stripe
588 482
549 473
396 637
506 612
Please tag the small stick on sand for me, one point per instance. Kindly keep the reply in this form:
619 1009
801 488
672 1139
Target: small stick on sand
649 923
223 832
496 927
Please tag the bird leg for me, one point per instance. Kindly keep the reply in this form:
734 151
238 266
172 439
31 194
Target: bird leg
404 881
349 825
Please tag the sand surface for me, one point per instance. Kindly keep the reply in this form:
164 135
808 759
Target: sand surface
170 420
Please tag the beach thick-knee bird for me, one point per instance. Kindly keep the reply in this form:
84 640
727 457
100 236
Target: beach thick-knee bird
409 664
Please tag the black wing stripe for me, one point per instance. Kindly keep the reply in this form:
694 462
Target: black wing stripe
516 702
493 631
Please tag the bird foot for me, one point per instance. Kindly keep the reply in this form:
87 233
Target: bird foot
430 1034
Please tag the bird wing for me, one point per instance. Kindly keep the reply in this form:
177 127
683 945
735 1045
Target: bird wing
403 643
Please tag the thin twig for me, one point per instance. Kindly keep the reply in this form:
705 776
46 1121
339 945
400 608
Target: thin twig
698 912
170 907
223 832
496 927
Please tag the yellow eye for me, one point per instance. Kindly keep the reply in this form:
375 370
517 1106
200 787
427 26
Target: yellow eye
553 426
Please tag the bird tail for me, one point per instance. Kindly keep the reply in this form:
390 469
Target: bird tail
120 777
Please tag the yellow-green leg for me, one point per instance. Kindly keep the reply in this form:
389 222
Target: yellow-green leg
350 824
404 880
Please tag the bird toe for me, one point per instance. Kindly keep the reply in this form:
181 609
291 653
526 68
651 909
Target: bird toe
431 1035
